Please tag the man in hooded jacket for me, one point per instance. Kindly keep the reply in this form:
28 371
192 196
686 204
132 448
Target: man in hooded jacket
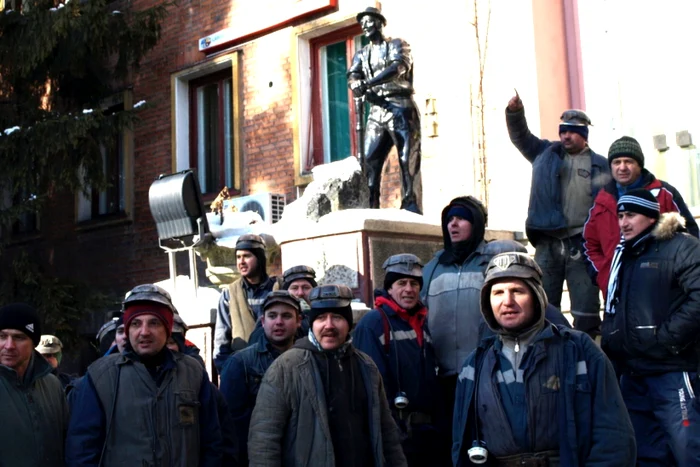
534 393
651 326
451 284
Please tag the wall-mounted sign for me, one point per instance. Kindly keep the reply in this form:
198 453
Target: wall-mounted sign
253 18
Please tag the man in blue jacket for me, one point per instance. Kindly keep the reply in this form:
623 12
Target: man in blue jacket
395 334
147 405
535 393
566 177
243 372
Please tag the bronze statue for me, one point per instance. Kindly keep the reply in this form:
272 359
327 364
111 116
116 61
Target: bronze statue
381 74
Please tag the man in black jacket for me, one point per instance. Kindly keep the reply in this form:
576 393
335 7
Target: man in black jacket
651 326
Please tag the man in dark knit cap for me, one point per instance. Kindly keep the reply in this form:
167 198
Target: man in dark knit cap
240 304
323 402
651 326
395 334
147 405
601 233
566 177
33 409
450 290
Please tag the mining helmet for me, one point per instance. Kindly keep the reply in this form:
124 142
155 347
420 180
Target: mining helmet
148 293
49 344
299 272
179 324
575 117
250 242
405 264
513 264
331 296
110 325
281 296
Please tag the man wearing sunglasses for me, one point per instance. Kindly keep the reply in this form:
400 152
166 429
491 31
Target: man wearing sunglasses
566 177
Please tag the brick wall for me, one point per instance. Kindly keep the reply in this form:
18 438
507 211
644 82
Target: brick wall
114 257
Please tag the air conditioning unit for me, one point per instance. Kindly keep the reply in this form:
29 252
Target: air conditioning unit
269 205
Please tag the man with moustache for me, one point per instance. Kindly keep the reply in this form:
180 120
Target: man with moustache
243 372
601 233
651 326
395 335
240 304
323 402
147 405
566 177
536 394
33 410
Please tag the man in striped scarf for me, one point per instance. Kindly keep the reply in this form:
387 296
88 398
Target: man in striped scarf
651 327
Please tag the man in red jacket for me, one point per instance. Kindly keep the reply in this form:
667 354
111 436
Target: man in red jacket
601 233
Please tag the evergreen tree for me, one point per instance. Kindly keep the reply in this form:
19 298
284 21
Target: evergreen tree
58 62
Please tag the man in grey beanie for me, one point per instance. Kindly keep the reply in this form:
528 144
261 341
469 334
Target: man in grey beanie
533 386
33 409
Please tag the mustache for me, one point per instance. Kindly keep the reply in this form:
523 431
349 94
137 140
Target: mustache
330 333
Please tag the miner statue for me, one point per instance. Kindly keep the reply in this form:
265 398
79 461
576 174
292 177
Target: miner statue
381 75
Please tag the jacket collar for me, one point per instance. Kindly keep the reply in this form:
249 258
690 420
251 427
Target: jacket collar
37 368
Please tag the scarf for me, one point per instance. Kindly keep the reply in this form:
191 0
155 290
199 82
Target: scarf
415 319
614 280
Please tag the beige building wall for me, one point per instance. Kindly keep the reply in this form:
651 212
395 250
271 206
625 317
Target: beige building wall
639 64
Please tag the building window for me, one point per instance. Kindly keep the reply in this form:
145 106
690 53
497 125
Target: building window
211 120
206 129
332 106
28 221
112 202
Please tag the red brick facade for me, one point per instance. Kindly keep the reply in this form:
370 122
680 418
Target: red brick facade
120 253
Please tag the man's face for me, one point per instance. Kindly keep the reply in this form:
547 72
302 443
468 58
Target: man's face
51 358
15 349
405 292
513 304
120 338
632 223
625 170
459 229
371 26
572 142
280 323
247 264
331 330
300 288
147 335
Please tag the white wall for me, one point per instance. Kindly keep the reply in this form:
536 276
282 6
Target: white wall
638 60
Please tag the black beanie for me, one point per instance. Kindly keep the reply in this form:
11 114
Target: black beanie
391 277
578 129
626 147
640 201
344 311
21 317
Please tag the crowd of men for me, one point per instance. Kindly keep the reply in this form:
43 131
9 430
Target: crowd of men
464 360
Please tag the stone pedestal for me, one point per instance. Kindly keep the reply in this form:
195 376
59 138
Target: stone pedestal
350 246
